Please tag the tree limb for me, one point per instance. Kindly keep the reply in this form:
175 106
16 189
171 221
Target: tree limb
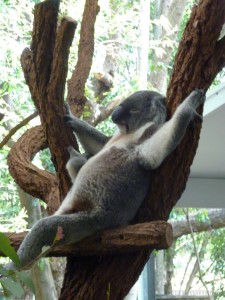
157 235
45 68
29 176
215 220
106 111
80 74
17 127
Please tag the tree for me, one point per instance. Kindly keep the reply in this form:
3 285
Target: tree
200 57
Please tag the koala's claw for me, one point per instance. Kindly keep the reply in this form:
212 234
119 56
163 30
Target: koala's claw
68 120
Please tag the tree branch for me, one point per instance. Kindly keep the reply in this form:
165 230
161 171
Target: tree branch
79 77
52 110
107 110
157 235
17 127
28 176
215 220
45 68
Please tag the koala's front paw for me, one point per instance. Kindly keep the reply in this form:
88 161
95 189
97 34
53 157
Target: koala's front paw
196 98
68 120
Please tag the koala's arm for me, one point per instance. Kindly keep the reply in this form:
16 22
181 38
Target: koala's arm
154 150
90 138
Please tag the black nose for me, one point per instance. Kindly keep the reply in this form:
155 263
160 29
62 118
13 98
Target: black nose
117 113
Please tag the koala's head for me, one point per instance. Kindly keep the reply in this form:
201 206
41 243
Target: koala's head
138 109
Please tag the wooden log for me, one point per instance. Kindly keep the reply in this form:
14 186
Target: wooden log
154 235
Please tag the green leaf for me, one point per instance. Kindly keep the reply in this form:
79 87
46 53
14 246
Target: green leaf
25 278
7 249
3 271
13 287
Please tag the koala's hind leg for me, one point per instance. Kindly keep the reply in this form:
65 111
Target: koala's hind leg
68 229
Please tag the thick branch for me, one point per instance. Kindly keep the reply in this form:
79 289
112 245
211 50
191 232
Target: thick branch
28 176
42 46
157 235
77 82
64 39
52 110
45 68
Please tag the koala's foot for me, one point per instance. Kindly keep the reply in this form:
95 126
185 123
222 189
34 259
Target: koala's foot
72 152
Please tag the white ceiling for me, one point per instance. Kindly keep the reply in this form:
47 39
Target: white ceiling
206 185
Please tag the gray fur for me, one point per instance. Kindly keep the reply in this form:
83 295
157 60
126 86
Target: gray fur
110 186
75 163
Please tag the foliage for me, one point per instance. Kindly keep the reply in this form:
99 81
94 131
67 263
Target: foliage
212 261
12 281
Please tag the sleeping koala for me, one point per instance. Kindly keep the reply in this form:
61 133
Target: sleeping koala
109 187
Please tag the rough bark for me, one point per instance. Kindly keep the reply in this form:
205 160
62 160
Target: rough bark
157 235
200 57
36 182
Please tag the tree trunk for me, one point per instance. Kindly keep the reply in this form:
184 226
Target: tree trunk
169 266
159 273
200 57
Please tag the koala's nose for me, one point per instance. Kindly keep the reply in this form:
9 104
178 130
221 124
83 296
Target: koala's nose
117 113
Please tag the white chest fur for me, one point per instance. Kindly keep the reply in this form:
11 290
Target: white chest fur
121 140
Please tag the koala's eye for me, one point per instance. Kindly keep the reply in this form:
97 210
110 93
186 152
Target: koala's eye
134 111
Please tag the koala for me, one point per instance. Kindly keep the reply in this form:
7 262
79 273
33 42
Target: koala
111 180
